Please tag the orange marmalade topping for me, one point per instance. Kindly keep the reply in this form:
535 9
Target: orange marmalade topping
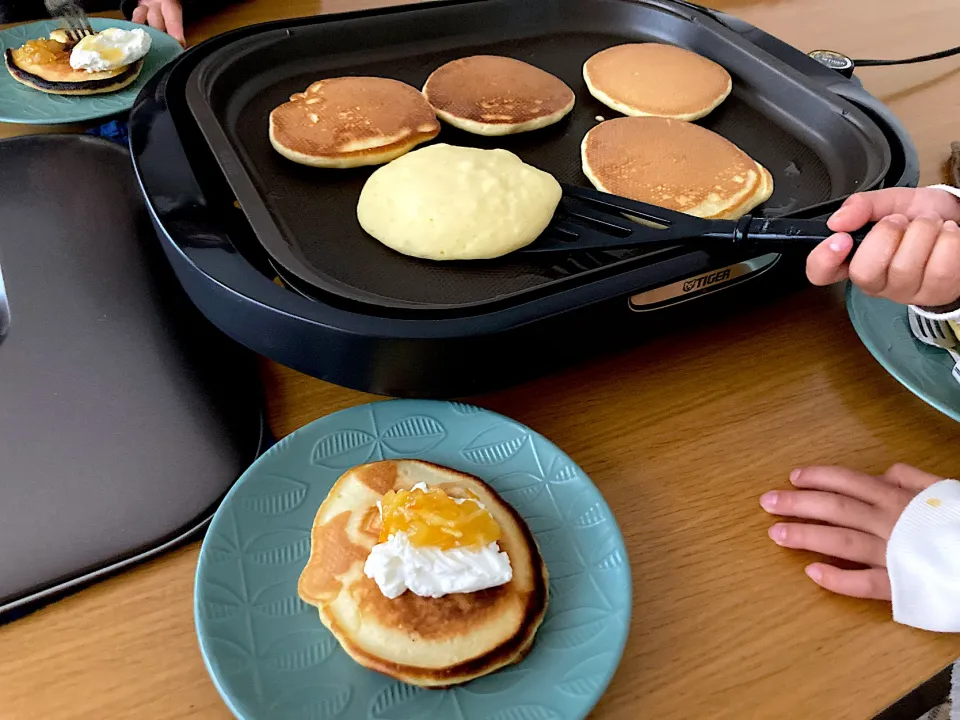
41 52
434 519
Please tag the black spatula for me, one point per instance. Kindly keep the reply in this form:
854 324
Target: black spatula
591 220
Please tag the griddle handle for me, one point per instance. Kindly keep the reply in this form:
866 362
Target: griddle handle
787 235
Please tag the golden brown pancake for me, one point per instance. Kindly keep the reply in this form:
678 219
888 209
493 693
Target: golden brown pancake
431 642
495 95
352 121
44 65
651 79
676 165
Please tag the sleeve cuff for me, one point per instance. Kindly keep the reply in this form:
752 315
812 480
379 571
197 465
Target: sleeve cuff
947 188
923 560
945 312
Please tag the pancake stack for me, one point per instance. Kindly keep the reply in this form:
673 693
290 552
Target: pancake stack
494 95
431 642
352 121
651 79
676 165
44 65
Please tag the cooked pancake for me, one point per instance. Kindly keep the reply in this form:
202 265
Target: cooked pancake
44 65
456 203
494 95
651 79
676 165
352 121
431 642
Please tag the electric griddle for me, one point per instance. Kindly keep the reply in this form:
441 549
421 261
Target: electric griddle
272 252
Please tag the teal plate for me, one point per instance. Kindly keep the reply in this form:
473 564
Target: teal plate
885 330
272 659
20 104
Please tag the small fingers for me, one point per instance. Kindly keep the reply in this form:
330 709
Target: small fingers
828 508
155 18
173 19
856 211
862 208
140 15
836 542
941 277
827 262
906 273
910 478
843 481
871 263
871 584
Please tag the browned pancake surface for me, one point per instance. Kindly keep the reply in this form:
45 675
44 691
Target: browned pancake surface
496 90
353 117
44 65
670 163
658 79
343 542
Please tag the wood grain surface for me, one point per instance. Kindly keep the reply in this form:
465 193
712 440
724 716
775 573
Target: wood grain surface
682 435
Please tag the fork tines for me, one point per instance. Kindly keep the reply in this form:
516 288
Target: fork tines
75 19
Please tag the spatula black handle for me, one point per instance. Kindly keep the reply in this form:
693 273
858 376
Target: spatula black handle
591 220
786 235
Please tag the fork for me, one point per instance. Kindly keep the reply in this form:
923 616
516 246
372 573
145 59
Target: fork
73 16
4 310
938 334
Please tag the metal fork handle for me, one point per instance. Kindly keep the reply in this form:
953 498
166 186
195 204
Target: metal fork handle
4 309
76 21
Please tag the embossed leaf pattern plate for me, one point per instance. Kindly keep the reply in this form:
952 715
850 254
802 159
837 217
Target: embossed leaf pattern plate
272 659
20 104
884 328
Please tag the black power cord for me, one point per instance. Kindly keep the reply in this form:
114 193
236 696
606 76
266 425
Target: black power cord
909 61
845 65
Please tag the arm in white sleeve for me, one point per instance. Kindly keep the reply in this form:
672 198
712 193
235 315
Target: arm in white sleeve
946 312
923 559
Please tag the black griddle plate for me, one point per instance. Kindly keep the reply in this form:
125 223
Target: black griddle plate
817 146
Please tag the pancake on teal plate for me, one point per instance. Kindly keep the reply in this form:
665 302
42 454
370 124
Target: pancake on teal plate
270 656
31 98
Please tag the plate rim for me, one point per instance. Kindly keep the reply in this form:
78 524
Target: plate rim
278 447
855 295
96 115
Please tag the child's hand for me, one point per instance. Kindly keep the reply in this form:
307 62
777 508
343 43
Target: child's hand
165 15
912 256
858 512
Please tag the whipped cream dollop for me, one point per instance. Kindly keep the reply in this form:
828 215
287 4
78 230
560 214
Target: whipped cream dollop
110 49
397 566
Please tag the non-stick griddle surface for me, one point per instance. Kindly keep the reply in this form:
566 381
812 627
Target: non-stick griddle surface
306 217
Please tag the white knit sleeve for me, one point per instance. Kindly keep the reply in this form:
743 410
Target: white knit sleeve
947 188
923 559
942 313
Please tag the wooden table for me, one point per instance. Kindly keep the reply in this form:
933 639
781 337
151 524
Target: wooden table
682 435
